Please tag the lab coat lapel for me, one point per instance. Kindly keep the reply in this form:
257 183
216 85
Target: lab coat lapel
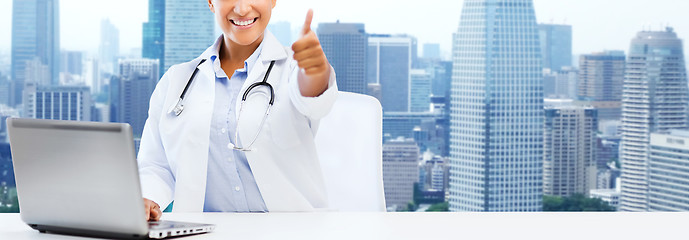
190 188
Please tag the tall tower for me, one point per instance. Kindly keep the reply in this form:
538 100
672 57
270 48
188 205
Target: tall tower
556 45
189 30
569 159
345 45
654 99
496 151
35 33
601 76
109 47
130 97
389 62
153 42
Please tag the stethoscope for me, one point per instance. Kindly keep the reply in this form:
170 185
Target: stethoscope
178 108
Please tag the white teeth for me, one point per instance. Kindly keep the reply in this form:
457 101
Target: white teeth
244 23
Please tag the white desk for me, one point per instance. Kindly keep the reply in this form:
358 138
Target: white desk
431 226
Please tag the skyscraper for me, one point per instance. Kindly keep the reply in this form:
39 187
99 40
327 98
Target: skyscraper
153 45
569 158
109 48
71 62
400 171
668 189
131 92
600 82
420 91
389 60
35 33
496 151
189 30
556 45
345 45
654 98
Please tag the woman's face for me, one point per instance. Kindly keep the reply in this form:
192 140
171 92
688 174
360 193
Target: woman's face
242 21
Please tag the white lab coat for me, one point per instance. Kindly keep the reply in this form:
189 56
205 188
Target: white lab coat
173 157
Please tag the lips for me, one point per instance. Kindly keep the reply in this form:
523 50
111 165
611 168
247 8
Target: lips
243 22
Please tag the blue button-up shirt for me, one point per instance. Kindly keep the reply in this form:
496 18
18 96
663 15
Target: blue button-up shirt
230 186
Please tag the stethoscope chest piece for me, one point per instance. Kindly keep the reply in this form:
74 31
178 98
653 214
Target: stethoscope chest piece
177 108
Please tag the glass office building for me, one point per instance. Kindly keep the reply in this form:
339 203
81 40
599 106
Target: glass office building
556 45
389 64
668 174
601 76
153 43
131 92
182 18
496 151
569 159
345 46
654 98
420 93
35 33
109 50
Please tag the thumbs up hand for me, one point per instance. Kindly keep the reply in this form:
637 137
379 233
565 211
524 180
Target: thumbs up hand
314 67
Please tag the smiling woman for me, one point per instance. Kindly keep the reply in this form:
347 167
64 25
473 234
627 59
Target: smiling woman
225 153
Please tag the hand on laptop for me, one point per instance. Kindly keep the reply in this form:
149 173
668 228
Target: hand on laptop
153 211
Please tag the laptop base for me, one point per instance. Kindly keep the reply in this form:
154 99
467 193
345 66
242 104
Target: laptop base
85 232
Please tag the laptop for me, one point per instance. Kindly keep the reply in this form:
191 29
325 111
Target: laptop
82 178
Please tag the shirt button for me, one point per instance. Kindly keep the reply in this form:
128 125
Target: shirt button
236 188
229 159
223 130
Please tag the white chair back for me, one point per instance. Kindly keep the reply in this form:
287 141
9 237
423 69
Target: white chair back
349 145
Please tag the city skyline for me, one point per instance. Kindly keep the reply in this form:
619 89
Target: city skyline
589 32
485 115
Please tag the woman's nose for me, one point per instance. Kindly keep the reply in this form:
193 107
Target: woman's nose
242 7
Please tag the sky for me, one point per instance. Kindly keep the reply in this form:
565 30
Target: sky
597 24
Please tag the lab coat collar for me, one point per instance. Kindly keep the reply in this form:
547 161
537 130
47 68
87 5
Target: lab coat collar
272 50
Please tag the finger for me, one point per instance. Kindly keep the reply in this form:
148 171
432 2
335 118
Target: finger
148 213
307 23
305 42
308 53
155 214
309 63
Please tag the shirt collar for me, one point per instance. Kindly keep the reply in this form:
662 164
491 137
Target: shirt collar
248 63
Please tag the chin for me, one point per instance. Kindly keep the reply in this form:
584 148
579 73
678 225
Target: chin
245 40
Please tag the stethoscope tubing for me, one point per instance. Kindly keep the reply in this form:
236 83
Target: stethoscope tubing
178 108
